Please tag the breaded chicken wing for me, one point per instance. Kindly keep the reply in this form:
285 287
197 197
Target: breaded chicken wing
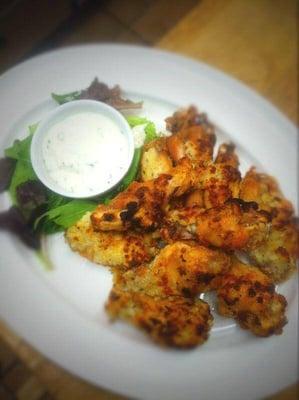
277 255
264 190
226 155
234 226
174 322
180 224
186 117
141 205
155 160
194 199
113 249
185 216
249 296
175 234
192 137
179 269
219 182
192 142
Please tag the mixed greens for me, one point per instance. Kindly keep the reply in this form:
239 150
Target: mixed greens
36 209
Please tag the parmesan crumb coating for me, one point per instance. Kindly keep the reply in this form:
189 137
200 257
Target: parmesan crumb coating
278 254
173 322
249 296
155 160
265 191
180 269
174 233
113 249
234 226
142 205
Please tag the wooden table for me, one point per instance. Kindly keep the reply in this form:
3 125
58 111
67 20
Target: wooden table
253 40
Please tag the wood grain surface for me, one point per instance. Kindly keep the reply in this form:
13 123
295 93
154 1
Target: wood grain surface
253 40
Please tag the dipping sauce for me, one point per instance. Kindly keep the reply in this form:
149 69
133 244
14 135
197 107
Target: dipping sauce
85 152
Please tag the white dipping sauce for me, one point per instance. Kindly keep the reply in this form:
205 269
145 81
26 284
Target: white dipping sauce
85 153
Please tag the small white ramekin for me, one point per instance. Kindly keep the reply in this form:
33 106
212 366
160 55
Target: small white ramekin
58 114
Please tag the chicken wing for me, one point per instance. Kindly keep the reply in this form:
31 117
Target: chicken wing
113 249
174 322
192 142
226 155
155 160
219 182
264 190
179 269
235 225
277 255
186 117
249 296
141 205
192 137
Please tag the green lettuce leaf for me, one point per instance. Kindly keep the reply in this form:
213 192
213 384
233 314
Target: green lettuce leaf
134 120
61 212
20 150
67 214
150 132
65 98
149 129
23 172
32 128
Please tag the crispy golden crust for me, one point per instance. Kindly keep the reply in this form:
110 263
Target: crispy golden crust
216 181
183 179
277 255
155 231
180 224
138 207
185 216
234 226
194 199
180 269
264 190
112 249
249 296
226 155
175 322
192 142
187 117
141 205
155 160
219 183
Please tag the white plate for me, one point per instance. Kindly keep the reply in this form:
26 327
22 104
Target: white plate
61 312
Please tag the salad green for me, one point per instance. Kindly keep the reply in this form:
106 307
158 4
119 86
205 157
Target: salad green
149 127
45 211
20 151
65 215
65 98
